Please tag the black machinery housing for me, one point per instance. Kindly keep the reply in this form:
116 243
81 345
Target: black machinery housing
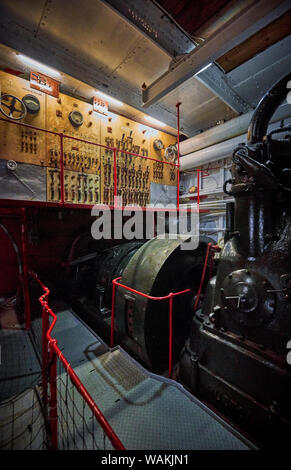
236 357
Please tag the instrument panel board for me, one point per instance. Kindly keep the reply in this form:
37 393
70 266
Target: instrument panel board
88 168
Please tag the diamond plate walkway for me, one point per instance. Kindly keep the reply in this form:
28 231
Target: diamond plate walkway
145 410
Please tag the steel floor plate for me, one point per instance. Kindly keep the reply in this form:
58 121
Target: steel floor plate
19 365
146 411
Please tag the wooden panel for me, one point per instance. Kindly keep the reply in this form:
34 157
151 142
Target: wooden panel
88 169
133 173
16 142
163 174
79 187
78 156
256 43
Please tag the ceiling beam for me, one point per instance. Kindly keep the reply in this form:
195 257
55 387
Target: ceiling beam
155 24
53 54
149 19
217 81
237 30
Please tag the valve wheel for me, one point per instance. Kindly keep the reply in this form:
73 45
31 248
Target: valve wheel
10 102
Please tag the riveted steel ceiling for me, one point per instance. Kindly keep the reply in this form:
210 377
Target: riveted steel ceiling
92 43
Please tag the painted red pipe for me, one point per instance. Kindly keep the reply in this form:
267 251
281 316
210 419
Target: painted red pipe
53 401
45 325
178 154
115 177
62 168
198 189
112 315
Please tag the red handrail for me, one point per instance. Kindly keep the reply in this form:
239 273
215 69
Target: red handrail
112 149
56 352
142 294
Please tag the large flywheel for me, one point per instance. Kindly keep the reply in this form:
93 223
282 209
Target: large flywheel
157 268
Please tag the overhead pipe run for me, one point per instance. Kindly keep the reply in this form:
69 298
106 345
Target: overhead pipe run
224 148
228 130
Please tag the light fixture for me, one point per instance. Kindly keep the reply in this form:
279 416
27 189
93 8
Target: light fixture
109 98
155 121
38 65
203 69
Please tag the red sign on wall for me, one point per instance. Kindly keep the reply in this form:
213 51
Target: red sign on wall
43 83
100 106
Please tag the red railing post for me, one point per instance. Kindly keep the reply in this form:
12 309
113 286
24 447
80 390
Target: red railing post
147 296
115 177
170 332
62 167
178 155
45 325
112 315
53 414
198 189
25 269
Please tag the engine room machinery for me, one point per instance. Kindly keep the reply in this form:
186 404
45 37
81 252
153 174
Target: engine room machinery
231 346
236 357
156 267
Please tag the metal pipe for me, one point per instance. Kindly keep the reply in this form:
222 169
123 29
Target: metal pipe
115 177
62 168
210 154
215 152
266 108
228 130
45 325
112 315
178 154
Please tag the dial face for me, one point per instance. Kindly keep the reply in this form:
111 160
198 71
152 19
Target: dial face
76 118
171 153
158 144
32 103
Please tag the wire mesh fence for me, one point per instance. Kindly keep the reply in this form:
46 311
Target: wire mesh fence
22 422
75 421
78 428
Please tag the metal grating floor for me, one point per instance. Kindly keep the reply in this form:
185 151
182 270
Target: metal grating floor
19 365
146 411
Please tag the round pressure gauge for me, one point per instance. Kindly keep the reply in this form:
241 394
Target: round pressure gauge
171 153
76 118
32 104
158 144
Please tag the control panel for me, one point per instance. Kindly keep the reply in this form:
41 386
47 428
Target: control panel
88 167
